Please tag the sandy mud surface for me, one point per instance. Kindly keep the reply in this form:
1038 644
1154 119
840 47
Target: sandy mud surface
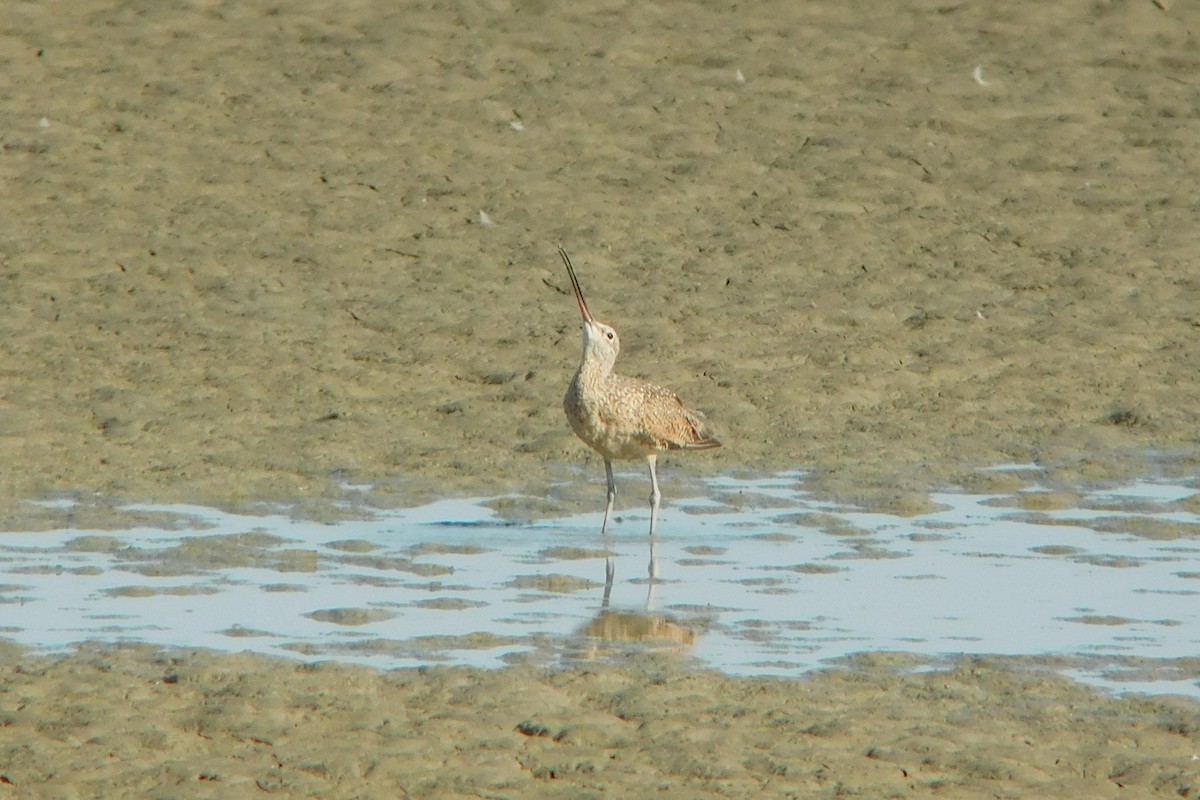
136 723
244 256
253 251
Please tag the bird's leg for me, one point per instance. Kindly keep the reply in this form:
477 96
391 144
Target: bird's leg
609 567
612 497
655 498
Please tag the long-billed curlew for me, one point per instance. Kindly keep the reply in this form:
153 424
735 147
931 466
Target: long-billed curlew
625 418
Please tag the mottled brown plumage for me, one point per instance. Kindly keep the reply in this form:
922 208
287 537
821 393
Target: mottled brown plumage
627 418
621 417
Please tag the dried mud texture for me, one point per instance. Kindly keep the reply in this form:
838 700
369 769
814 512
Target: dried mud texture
244 257
136 723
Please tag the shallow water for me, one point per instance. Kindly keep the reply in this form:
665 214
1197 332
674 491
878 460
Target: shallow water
755 578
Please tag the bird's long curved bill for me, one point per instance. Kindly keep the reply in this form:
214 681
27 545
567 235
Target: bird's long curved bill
583 309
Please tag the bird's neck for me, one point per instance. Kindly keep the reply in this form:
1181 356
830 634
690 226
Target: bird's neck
595 365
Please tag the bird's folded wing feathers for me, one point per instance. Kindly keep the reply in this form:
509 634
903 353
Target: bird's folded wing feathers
661 420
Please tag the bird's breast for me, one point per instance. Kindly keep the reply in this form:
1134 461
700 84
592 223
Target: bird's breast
601 425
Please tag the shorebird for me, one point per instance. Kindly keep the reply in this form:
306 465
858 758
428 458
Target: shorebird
622 417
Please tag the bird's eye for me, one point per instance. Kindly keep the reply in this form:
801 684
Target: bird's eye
610 335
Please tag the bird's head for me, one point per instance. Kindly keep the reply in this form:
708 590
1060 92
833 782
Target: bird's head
599 339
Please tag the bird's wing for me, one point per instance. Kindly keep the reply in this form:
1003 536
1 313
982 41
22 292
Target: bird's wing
660 419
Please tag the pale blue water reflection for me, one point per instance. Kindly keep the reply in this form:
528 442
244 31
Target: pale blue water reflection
756 578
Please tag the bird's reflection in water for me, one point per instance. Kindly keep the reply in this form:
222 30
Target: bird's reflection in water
610 570
635 627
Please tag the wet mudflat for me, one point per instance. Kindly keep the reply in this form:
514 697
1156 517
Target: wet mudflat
791 647
252 252
757 577
134 722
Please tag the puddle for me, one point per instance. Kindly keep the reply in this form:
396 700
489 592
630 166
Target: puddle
755 578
